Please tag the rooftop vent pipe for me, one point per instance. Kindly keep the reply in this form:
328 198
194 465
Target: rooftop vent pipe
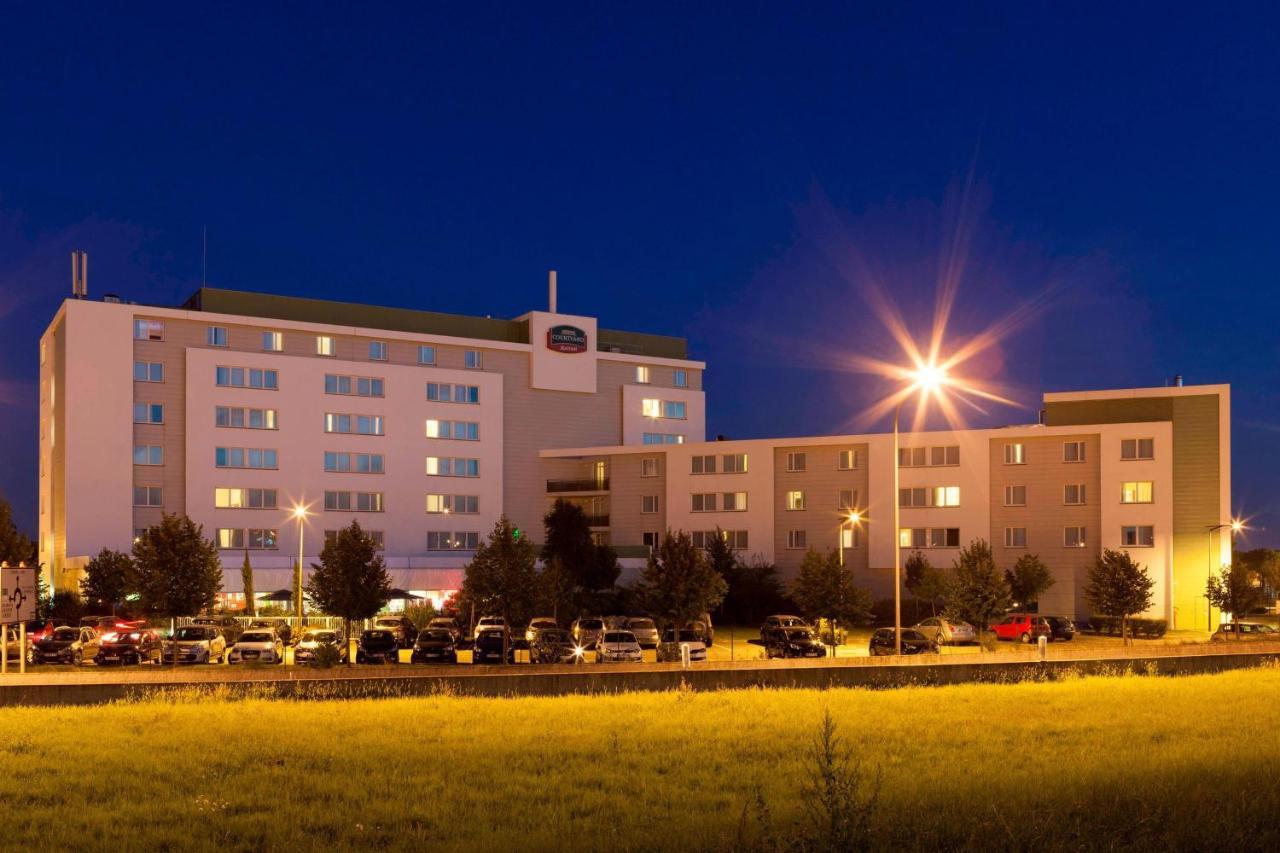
79 274
551 288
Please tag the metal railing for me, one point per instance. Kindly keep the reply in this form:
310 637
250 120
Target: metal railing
595 484
597 521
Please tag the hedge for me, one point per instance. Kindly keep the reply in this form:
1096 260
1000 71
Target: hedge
1148 628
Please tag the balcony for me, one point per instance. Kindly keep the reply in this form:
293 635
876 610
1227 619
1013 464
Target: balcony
597 521
595 484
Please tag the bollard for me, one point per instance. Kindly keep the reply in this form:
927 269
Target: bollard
684 655
1044 646
288 656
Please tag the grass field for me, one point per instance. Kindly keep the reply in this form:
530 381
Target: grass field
1139 762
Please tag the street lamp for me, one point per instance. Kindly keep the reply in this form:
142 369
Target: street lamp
853 518
928 378
300 513
1236 526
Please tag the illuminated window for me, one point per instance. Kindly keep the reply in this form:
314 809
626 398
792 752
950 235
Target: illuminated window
1139 492
1015 454
642 374
651 408
849 537
734 501
272 342
949 496
734 463
1073 451
324 345
1137 536
1137 448
1015 537
1073 494
1015 495
795 500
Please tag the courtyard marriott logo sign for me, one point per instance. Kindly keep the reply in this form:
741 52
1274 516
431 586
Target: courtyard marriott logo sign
566 339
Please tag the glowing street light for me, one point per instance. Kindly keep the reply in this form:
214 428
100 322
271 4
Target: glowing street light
300 514
1236 526
853 519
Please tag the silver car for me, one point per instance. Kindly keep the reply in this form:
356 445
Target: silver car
943 631
587 631
646 632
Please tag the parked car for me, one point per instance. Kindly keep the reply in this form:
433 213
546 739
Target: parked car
435 645
131 646
1024 627
257 645
618 647
1062 627
197 644
489 622
13 643
646 632
555 645
587 631
704 627
37 630
538 625
67 644
102 624
943 631
615 623
447 623
313 639
402 626
228 626
773 623
487 647
378 645
280 627
1248 631
669 648
913 642
793 643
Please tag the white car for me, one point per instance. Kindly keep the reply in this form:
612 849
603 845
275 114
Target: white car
197 644
945 632
257 645
618 647
537 625
489 622
669 649
646 632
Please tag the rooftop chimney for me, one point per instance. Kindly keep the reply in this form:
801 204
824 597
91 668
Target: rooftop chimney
551 288
79 274
1177 380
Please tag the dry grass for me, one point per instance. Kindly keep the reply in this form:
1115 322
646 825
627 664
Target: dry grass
1144 763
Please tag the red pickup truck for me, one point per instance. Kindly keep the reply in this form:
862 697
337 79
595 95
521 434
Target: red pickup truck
1024 627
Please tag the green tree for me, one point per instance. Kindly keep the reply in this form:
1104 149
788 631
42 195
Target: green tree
567 537
720 555
603 568
1236 590
179 572
978 591
351 580
1029 579
925 581
555 589
1118 586
246 579
754 592
678 584
1265 563
824 589
109 579
501 579
15 546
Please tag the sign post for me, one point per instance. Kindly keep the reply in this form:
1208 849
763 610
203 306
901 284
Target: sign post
17 604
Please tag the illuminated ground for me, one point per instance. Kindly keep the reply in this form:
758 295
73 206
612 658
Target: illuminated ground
1138 762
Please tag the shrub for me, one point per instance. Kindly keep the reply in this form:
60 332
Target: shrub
326 657
1147 628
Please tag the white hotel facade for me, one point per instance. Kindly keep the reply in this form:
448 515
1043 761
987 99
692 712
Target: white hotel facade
427 427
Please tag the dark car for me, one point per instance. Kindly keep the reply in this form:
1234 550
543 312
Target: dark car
447 623
554 645
773 623
227 626
1062 627
487 647
378 645
793 643
129 646
913 642
67 645
435 645
402 626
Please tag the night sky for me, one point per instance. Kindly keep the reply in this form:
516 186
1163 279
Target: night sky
749 176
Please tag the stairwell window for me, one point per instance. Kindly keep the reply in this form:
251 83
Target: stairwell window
649 503
642 374
680 378
216 336
1073 451
1015 537
426 355
1015 495
377 350
1137 536
1139 492
1015 454
325 346
795 501
272 342
472 359
1073 537
649 466
796 462
796 540
148 330
848 460
703 465
1073 494
1137 448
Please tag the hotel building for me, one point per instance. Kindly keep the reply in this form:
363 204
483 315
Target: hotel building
426 427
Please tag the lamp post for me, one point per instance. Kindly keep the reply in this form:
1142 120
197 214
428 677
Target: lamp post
853 518
299 513
1236 525
928 378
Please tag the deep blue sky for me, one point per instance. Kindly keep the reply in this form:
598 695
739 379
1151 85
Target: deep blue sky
702 170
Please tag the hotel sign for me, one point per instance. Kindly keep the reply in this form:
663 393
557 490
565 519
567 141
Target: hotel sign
566 339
